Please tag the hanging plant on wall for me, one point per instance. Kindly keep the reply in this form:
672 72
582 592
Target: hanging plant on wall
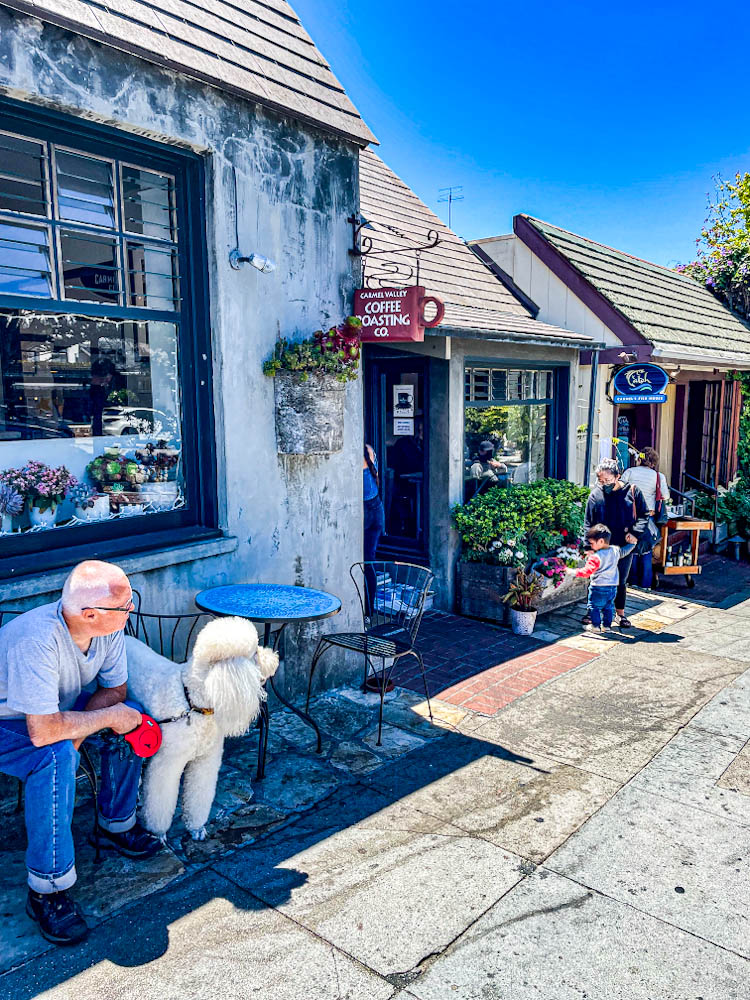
309 381
332 352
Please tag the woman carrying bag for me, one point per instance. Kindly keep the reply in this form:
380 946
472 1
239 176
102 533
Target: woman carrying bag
653 485
623 509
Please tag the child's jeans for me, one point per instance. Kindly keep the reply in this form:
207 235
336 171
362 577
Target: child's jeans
601 605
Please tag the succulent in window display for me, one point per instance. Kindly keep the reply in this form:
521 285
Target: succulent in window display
108 470
159 461
83 497
11 501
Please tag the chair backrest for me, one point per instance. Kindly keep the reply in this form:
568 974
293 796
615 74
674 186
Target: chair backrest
392 593
7 613
172 636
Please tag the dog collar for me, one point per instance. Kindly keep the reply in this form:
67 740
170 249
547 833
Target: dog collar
191 708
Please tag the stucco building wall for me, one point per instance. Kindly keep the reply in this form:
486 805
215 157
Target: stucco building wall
295 519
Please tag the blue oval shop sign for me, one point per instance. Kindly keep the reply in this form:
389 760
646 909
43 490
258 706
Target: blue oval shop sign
645 383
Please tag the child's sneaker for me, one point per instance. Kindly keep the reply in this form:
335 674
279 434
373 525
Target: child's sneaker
592 629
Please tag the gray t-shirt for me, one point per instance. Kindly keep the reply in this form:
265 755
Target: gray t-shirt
42 671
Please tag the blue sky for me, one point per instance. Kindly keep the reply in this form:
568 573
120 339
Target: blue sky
609 122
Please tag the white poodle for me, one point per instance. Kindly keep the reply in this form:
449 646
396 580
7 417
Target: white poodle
216 693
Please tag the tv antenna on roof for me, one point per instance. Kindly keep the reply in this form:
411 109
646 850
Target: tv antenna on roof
450 194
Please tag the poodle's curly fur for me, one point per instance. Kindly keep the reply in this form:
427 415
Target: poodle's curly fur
225 673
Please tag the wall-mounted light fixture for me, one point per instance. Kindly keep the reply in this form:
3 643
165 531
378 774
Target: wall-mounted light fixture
264 264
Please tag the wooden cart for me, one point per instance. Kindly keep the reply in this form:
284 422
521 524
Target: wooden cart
692 525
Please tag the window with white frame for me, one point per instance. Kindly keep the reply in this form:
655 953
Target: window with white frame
507 426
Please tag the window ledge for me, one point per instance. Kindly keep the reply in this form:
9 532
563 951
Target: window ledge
141 562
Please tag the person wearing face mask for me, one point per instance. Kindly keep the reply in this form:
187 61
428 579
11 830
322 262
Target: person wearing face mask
622 507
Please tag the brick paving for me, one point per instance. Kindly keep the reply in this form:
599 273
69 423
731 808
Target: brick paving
483 667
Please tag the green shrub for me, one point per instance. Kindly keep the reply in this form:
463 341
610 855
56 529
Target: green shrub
543 514
733 507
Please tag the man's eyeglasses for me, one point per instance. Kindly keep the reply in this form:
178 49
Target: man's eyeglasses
130 607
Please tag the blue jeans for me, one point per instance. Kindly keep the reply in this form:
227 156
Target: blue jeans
50 776
374 525
601 605
641 572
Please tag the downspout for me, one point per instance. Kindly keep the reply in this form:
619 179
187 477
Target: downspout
592 411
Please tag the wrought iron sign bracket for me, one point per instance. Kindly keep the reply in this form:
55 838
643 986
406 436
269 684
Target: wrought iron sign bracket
364 247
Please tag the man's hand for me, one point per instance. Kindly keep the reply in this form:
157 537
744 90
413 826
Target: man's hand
124 719
631 539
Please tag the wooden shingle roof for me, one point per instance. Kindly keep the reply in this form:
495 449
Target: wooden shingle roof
476 302
257 50
668 309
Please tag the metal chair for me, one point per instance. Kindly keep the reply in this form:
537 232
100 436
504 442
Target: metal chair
173 636
392 597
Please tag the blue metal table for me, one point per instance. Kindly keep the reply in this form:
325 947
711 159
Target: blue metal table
270 604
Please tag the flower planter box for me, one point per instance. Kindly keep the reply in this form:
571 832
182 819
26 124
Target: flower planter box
571 590
481 589
309 414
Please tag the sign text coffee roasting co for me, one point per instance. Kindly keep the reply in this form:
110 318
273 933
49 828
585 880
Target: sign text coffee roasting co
395 313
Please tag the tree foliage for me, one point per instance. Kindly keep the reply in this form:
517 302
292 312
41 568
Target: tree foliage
722 264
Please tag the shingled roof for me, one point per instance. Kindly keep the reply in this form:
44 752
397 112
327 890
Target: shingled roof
254 49
667 309
476 302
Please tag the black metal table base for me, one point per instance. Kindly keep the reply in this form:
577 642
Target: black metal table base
263 719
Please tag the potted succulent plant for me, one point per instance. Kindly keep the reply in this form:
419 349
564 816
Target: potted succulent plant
11 505
309 382
522 593
88 505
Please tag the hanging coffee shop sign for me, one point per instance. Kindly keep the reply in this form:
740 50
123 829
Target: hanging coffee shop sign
640 383
391 314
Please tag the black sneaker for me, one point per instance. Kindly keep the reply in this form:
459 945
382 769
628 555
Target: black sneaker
57 916
133 843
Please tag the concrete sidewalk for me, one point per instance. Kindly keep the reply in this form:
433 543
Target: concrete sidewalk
586 841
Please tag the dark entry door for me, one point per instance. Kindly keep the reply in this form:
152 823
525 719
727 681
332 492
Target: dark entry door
703 416
396 405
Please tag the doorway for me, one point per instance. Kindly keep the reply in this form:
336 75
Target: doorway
396 407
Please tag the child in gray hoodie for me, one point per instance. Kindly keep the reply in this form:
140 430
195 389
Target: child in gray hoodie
601 569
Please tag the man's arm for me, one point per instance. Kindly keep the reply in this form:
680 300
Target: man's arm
106 697
76 726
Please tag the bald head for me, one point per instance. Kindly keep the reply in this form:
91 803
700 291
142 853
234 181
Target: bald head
93 583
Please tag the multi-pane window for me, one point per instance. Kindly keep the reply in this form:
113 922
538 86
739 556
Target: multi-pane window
507 421
90 314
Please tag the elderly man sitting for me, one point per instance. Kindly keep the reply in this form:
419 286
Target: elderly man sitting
63 677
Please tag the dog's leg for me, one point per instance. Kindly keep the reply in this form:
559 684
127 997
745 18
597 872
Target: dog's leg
199 790
268 661
161 784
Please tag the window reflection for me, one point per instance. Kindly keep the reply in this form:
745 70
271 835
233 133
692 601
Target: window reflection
506 430
24 260
101 397
90 271
85 191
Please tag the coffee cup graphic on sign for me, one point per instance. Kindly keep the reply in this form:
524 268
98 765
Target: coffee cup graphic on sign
403 400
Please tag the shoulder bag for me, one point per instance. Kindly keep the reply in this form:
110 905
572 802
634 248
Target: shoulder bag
660 516
652 534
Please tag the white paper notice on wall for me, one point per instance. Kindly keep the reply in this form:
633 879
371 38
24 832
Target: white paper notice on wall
605 448
403 401
403 427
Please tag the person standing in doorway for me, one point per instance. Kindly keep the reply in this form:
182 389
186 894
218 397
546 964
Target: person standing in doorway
623 509
374 521
653 485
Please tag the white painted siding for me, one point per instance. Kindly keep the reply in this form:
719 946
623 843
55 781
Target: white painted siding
557 304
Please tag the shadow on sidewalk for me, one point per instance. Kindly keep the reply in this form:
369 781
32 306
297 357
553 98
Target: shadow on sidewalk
253 876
